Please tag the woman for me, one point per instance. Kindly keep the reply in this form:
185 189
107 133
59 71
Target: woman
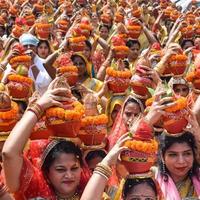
60 172
133 188
178 171
179 86
43 49
131 110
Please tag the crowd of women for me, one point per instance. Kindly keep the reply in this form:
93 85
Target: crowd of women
99 99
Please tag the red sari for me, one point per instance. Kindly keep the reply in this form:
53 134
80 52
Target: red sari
33 183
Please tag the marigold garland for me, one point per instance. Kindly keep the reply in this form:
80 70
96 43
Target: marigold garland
20 59
85 26
178 57
67 115
77 39
20 79
193 75
65 69
121 48
11 114
181 103
94 120
117 73
43 26
142 146
134 27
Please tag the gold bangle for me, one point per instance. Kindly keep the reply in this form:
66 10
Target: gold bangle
101 174
37 110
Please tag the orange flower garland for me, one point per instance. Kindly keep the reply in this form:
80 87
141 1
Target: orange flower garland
142 146
77 39
192 76
20 60
20 79
118 74
181 103
65 69
94 120
11 114
67 115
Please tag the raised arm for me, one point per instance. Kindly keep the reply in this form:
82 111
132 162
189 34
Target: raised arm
99 180
14 145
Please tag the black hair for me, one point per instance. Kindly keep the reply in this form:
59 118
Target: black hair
46 42
131 183
104 25
132 100
167 141
131 42
93 154
88 44
183 42
62 146
74 56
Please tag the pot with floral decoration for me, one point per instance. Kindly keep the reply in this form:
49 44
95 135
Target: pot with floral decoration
119 47
39 8
197 29
65 121
118 80
77 41
93 125
119 18
136 11
43 29
187 31
30 19
20 27
65 67
9 113
141 155
140 83
85 27
174 15
62 25
175 120
20 85
134 29
13 11
190 18
167 12
177 64
106 18
194 78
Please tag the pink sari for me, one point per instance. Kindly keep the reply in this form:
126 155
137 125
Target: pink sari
169 188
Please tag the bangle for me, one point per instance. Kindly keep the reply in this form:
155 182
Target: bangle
37 110
101 174
103 170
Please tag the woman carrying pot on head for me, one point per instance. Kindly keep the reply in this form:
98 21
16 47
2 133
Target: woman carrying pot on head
130 111
139 187
59 175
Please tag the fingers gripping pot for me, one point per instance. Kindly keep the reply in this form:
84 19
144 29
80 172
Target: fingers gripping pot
65 121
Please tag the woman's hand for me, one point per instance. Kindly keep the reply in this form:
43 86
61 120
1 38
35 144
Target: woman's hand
158 108
112 156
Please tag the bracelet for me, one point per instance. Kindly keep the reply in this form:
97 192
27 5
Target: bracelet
103 170
37 110
101 174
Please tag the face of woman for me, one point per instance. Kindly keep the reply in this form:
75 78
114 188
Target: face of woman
80 64
43 50
64 174
130 112
134 51
87 52
179 159
104 32
181 90
115 112
141 192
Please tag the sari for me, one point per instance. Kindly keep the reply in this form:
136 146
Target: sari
190 188
33 183
119 128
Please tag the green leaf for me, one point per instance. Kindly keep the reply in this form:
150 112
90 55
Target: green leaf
151 91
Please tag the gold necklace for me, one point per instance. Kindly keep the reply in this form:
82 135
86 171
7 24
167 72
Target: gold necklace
74 197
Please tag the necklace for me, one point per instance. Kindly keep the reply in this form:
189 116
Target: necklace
74 197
